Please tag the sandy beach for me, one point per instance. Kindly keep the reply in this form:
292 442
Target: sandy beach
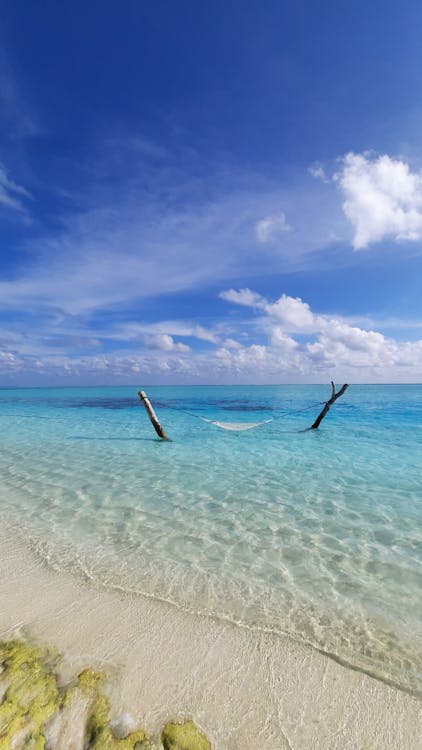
247 689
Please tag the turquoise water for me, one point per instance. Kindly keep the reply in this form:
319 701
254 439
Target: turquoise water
314 534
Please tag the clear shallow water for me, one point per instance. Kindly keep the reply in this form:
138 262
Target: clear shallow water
314 534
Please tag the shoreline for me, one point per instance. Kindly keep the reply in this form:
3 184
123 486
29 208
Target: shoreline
245 688
83 578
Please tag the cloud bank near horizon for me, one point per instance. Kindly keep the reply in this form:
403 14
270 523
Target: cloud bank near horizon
284 341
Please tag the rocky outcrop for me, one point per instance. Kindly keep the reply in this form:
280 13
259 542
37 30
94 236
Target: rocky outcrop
38 714
184 736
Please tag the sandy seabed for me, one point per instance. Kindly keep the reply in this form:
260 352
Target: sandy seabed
247 689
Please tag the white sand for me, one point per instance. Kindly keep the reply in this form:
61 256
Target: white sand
248 690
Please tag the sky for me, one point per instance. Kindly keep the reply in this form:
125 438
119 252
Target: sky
210 192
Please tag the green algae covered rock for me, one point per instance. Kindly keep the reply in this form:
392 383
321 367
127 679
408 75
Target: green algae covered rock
84 720
69 728
36 714
30 695
101 736
184 736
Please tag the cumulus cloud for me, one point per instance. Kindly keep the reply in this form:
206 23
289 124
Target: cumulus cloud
271 227
243 297
287 341
280 340
165 343
331 344
244 359
383 198
294 314
334 351
232 344
291 312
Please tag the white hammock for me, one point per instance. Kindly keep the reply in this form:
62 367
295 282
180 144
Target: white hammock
236 426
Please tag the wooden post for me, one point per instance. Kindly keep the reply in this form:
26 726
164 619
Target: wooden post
329 403
152 415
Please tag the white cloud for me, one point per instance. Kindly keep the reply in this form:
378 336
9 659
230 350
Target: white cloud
335 351
243 297
270 228
294 314
134 247
203 334
336 348
130 244
383 198
243 360
280 340
317 171
164 343
286 342
8 361
232 344
291 312
139 230
132 330
11 192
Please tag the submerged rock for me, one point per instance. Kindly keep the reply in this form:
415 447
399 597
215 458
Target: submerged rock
122 725
184 736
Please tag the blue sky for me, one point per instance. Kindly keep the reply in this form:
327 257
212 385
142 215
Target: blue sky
210 192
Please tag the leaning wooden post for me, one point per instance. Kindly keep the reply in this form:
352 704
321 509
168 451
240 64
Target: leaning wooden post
329 403
152 415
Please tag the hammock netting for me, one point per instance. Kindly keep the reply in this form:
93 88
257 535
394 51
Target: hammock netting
236 426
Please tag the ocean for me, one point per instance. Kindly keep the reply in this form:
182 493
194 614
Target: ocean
313 534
